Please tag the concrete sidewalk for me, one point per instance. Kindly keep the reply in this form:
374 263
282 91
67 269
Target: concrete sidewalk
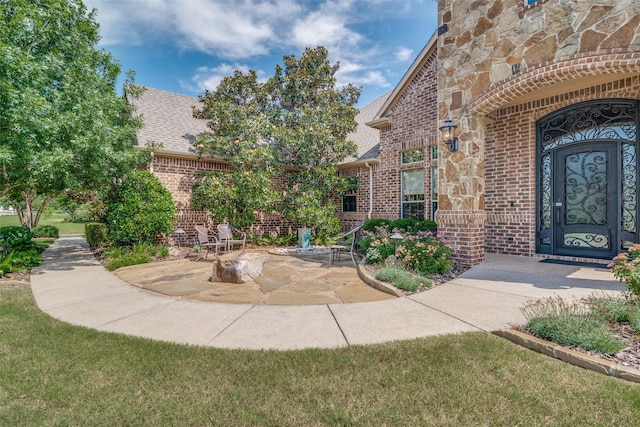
73 287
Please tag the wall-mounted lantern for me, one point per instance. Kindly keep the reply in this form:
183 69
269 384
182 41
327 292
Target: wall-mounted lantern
447 129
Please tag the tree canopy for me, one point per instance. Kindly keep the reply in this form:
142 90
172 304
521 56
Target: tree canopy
293 126
62 124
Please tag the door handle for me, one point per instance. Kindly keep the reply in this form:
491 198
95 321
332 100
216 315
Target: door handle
558 206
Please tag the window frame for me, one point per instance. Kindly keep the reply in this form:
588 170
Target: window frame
418 203
355 202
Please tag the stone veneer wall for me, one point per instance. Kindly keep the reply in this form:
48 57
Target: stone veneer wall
413 125
492 55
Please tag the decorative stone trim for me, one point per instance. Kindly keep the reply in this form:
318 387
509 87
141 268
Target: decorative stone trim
590 64
573 357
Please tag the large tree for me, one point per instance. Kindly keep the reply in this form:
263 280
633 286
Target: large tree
293 126
62 124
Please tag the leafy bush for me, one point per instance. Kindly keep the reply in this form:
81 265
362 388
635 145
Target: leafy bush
139 209
126 260
626 268
114 252
96 234
151 250
27 258
15 237
579 331
612 310
402 279
46 231
427 225
421 251
402 225
372 224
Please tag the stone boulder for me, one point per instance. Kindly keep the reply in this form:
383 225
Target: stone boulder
241 269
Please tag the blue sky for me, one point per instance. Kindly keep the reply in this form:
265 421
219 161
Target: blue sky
187 46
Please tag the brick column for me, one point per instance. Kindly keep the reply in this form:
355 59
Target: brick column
465 232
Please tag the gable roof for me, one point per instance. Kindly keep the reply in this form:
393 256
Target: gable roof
168 120
366 138
381 119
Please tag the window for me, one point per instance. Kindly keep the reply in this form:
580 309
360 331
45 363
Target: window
349 203
413 194
412 156
434 152
434 191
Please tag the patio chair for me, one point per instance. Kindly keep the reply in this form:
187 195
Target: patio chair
231 236
207 241
346 242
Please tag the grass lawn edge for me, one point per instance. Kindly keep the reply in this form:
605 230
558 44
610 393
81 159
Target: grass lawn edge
568 355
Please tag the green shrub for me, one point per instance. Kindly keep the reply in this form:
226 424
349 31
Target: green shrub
421 251
27 258
402 279
46 231
15 237
402 225
573 330
426 225
96 234
626 268
139 209
151 250
114 252
612 310
126 260
372 224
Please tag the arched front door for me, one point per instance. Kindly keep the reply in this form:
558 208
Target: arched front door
587 191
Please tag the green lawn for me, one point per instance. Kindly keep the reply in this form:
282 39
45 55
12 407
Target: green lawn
57 220
56 374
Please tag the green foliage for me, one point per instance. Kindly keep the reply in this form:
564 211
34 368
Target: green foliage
139 209
626 268
63 125
421 251
372 224
18 238
403 225
269 240
402 279
26 258
46 231
426 225
6 263
126 260
152 250
293 126
580 324
572 330
400 225
96 234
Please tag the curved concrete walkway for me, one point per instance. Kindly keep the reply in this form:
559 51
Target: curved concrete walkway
73 287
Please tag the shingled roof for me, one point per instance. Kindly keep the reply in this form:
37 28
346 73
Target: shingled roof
366 138
168 120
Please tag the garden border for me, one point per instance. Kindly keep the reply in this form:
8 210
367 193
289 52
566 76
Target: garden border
573 357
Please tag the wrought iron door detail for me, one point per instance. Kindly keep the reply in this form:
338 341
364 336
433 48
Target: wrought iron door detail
587 183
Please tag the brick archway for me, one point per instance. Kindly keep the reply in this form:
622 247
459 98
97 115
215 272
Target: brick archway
590 68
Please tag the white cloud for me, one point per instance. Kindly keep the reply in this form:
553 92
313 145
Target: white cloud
245 31
404 54
208 78
229 29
